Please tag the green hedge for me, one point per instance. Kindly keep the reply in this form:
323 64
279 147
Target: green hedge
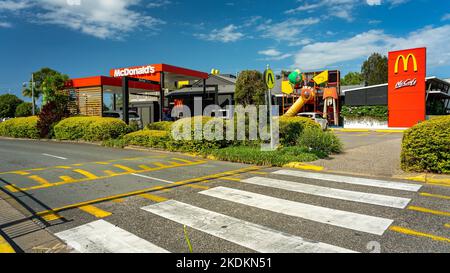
90 128
320 142
20 128
73 128
291 128
378 112
426 147
148 138
161 126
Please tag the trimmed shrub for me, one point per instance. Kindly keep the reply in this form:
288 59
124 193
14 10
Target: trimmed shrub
426 147
73 128
161 126
291 128
193 145
320 142
20 128
148 138
52 113
105 128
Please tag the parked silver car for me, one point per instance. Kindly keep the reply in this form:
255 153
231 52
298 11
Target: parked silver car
134 117
318 118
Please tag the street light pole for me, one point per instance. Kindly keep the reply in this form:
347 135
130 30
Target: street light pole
32 93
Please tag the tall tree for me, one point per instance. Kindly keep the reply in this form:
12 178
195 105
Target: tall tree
250 88
8 105
375 70
352 78
46 81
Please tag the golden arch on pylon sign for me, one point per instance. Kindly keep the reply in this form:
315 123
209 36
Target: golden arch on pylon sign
406 62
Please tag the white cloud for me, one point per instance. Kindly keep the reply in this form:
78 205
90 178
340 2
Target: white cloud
273 55
446 17
5 25
325 54
105 19
18 5
287 30
373 2
227 34
159 4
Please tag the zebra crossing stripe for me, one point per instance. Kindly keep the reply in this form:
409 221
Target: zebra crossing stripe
350 220
355 196
246 234
103 237
353 180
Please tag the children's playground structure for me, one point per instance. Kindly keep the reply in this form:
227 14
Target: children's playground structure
317 92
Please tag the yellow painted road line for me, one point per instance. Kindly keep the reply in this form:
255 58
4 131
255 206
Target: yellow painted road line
145 167
102 163
390 131
110 173
260 173
50 216
139 192
200 187
182 160
231 179
86 173
159 164
119 200
5 247
430 180
418 234
12 188
447 225
20 173
125 168
430 211
153 197
175 163
426 194
303 166
67 178
39 179
63 167
99 213
78 164
104 177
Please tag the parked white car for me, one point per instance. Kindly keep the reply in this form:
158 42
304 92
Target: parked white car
318 118
134 117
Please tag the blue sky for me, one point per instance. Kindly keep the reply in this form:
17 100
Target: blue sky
89 37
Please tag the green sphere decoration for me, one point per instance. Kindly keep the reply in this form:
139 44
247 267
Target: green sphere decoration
296 77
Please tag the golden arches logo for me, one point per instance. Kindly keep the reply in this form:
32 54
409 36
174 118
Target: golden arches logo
406 62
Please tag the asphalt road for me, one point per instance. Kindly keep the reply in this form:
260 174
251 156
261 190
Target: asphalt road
99 199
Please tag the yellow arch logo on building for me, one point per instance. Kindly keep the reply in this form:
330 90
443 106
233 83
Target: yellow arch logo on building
406 62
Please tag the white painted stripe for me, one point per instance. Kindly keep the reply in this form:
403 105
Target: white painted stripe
54 156
355 196
353 180
103 237
350 220
152 178
246 234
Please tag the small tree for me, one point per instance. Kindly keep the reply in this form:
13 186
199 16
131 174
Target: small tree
352 78
25 109
250 88
47 82
8 105
53 112
375 70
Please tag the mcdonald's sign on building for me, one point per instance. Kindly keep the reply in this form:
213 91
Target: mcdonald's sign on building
406 95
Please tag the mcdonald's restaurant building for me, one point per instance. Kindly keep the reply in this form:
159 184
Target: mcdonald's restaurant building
411 96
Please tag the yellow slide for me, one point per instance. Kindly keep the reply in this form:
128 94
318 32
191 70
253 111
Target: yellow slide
307 95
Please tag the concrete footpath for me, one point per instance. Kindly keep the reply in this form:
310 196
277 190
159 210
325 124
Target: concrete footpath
22 233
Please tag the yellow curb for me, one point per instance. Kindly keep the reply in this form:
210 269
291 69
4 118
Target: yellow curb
390 131
303 166
211 157
422 178
352 130
5 247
